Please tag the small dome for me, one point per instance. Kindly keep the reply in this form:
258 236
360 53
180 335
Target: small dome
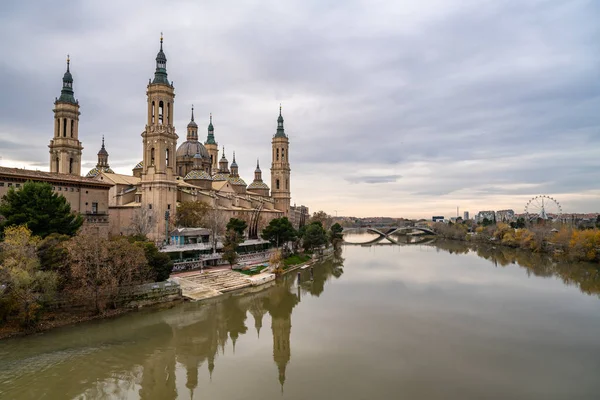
258 185
220 176
95 171
192 124
197 156
67 77
190 148
139 165
236 181
198 174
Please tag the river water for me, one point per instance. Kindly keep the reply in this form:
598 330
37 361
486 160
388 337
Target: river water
419 321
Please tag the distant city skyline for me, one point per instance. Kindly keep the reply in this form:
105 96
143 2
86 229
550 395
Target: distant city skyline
408 109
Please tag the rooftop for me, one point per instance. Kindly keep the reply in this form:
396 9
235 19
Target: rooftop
54 177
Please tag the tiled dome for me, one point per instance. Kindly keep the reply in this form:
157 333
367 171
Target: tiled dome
198 174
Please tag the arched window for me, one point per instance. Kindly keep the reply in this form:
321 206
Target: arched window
160 112
152 156
282 154
72 127
57 164
71 165
64 127
167 156
286 184
57 127
277 155
180 170
153 105
277 184
168 112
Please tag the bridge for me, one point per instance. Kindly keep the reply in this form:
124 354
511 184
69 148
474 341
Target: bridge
386 232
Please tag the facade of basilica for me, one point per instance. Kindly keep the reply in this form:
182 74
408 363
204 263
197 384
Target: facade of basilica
167 174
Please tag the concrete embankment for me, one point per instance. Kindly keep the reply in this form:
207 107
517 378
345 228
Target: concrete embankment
201 285
206 284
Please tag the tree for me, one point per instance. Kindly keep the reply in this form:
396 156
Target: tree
335 235
100 267
143 221
36 206
53 255
215 220
160 264
279 231
237 225
25 286
314 236
230 245
322 217
192 214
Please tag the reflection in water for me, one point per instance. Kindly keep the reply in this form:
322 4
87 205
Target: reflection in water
396 320
192 335
586 276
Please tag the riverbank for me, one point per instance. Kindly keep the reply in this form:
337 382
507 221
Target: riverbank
60 319
194 286
566 243
209 283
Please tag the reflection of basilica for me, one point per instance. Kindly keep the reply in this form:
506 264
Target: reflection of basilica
145 353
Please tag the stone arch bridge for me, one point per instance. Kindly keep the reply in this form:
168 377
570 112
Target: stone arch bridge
387 232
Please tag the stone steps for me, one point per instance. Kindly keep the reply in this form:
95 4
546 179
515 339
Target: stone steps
212 283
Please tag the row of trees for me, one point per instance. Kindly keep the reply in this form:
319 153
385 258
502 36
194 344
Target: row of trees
576 244
46 257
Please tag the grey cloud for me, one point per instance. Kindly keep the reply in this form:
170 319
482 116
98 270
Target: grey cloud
495 81
373 179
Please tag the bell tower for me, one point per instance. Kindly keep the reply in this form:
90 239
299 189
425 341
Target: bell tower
158 180
280 169
212 146
65 147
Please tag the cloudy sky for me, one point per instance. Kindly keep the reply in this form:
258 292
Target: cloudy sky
393 107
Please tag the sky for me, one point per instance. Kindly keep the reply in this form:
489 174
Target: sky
401 108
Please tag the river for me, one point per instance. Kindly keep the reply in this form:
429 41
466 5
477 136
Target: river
419 321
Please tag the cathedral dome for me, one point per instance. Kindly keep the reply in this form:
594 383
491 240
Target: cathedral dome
258 185
190 148
198 174
95 171
236 180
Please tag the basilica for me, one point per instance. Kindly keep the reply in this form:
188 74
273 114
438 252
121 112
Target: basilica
167 173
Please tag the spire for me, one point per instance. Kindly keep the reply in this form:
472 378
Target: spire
210 139
160 75
192 113
280 131
257 167
66 94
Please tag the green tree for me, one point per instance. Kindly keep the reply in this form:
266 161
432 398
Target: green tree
335 235
36 206
53 256
25 286
160 264
231 243
237 225
279 231
192 214
314 236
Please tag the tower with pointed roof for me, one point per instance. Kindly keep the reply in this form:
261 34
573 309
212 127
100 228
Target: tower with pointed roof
102 165
258 187
280 169
158 177
65 147
237 183
212 146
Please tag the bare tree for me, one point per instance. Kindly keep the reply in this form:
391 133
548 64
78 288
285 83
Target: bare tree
143 221
216 221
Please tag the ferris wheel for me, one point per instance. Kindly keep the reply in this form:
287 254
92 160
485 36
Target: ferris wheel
544 207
